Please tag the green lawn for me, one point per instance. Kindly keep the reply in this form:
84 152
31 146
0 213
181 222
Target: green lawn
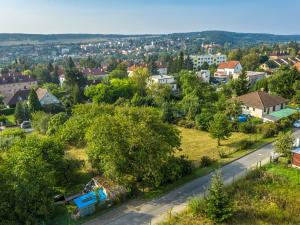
267 197
196 144
11 119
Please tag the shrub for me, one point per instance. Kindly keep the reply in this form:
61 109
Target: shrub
222 153
40 121
7 111
268 129
206 161
284 124
247 127
245 144
2 118
186 123
196 205
202 120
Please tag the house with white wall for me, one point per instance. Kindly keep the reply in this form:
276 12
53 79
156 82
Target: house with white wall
227 69
262 105
163 80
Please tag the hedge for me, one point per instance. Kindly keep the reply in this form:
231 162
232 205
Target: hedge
7 111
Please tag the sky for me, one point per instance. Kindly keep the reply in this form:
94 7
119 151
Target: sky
149 16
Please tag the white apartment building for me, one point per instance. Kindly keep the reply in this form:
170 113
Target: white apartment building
198 60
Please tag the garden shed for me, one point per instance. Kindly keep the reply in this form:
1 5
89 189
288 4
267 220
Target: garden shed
86 204
296 157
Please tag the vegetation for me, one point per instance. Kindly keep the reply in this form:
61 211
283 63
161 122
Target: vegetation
266 196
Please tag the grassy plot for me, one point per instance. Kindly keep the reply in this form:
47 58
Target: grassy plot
270 196
196 144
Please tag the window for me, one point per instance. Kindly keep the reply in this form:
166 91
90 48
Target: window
265 110
281 106
274 108
253 109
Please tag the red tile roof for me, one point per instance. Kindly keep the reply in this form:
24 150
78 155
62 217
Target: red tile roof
228 65
297 66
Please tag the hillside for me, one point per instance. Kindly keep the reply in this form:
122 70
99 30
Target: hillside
220 37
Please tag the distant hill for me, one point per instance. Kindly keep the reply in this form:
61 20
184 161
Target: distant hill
234 38
220 37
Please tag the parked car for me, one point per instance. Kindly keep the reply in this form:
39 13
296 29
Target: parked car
26 125
297 124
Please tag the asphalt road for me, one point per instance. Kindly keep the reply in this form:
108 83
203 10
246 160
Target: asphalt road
137 212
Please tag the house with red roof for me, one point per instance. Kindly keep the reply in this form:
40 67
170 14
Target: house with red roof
228 69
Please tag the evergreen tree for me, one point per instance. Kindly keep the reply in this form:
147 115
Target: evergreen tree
241 85
19 113
189 65
218 205
34 104
181 65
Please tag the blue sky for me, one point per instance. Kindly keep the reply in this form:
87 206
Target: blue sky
149 16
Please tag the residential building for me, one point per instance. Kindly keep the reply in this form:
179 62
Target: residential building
94 73
297 66
46 98
13 99
162 69
252 76
227 69
163 80
11 83
279 55
198 60
204 75
262 105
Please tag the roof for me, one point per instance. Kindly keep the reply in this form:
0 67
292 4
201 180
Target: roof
296 150
93 71
19 96
90 199
10 78
41 92
297 66
283 113
228 65
261 100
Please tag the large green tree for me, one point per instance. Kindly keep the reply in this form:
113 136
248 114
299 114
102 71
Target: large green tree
284 143
133 144
220 127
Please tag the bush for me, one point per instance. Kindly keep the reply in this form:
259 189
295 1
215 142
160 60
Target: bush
202 120
186 123
268 129
40 121
2 119
206 161
222 153
284 124
7 111
196 205
245 144
247 127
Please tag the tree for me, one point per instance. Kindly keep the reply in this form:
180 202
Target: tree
20 113
140 78
220 127
34 104
42 74
203 119
56 122
40 121
181 65
284 143
118 74
250 62
204 66
132 143
29 171
218 204
240 85
189 65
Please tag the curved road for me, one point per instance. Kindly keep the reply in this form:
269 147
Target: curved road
136 212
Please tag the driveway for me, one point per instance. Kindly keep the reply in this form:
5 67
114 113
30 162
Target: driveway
137 212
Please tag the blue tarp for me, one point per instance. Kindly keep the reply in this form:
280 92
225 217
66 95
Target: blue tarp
242 118
89 199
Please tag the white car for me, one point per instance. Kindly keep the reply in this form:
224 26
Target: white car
297 124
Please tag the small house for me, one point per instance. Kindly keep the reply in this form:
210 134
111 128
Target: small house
296 157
